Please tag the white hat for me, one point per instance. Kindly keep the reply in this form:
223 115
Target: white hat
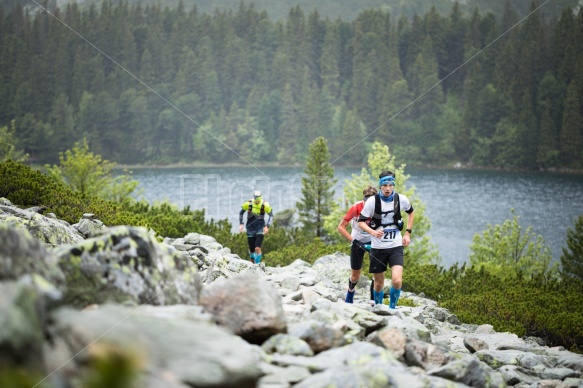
257 193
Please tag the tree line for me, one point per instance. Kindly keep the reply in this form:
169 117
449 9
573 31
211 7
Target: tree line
166 85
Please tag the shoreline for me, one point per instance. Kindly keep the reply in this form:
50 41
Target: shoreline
274 165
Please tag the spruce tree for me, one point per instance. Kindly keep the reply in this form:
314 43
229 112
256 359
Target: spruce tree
317 192
572 258
571 139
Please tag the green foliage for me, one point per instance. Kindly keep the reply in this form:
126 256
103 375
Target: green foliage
380 159
25 187
507 250
113 366
406 302
539 306
7 148
87 173
263 90
572 257
317 193
15 377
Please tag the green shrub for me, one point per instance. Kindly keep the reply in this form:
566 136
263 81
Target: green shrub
539 306
572 257
508 249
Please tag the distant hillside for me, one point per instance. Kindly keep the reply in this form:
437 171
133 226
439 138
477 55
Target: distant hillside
343 9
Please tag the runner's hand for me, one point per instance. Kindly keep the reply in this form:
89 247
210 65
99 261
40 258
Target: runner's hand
241 227
265 229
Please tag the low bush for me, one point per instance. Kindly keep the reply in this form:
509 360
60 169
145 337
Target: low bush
543 307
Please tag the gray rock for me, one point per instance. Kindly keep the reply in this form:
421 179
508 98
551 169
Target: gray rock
514 375
485 329
424 355
413 328
284 377
5 202
21 326
470 371
475 344
255 315
196 353
49 231
287 344
192 238
498 358
22 254
127 263
90 227
291 283
394 340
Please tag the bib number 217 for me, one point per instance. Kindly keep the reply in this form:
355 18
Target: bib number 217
389 235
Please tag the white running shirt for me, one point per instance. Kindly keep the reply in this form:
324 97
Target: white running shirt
391 237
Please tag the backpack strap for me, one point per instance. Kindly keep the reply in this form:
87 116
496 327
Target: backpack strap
375 220
397 211
377 216
261 212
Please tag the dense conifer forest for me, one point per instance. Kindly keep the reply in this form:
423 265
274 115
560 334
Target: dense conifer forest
152 84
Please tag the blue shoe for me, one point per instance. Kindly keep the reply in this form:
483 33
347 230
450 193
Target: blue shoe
258 257
394 297
252 257
349 297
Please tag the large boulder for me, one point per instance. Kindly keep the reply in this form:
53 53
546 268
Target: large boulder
50 231
170 345
127 263
21 254
247 305
21 325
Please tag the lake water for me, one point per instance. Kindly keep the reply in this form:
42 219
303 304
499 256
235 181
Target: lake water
460 203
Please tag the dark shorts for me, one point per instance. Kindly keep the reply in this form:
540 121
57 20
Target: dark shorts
254 238
356 257
381 258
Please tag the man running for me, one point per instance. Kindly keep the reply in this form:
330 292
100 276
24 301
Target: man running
387 241
360 241
256 225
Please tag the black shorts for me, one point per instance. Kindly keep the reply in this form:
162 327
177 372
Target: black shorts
380 258
254 241
356 257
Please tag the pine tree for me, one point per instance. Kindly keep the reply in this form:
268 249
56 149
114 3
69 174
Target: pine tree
317 192
572 258
571 140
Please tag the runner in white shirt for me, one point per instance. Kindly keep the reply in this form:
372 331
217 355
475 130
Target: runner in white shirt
387 240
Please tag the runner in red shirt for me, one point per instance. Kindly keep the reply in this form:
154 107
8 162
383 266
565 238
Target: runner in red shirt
360 241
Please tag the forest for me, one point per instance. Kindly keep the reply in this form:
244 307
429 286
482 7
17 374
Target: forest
146 84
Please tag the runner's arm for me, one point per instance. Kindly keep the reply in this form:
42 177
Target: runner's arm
241 213
268 222
342 230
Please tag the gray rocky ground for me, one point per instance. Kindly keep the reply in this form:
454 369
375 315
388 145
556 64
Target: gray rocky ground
188 313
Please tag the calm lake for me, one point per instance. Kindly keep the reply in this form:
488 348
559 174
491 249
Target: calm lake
460 203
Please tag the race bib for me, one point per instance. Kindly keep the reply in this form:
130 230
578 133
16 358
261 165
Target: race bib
389 235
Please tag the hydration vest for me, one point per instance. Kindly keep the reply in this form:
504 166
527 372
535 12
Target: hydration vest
250 209
376 219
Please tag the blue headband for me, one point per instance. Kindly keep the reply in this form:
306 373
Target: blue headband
387 180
